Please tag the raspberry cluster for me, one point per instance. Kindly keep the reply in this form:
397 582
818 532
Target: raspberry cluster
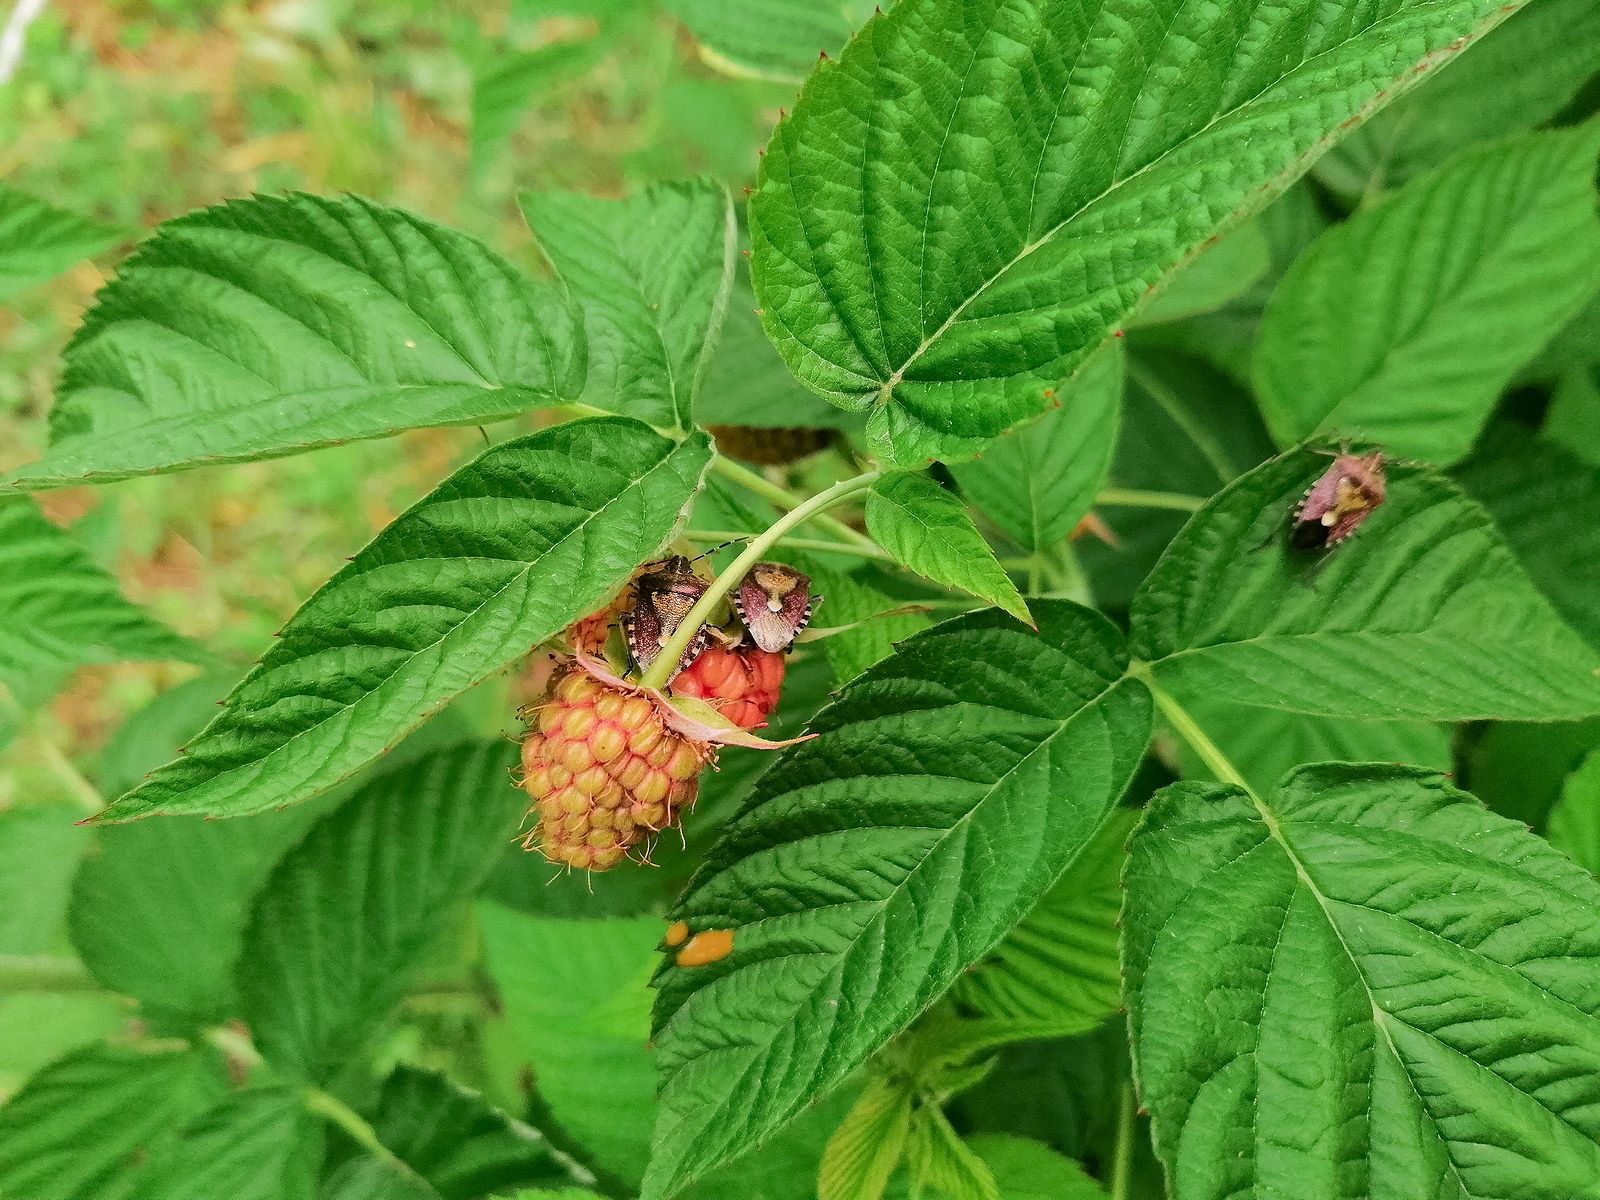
742 683
605 772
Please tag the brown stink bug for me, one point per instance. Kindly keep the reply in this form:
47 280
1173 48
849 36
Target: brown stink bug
774 602
1335 505
662 599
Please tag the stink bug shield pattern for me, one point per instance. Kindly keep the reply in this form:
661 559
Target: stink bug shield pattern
1334 506
774 602
662 599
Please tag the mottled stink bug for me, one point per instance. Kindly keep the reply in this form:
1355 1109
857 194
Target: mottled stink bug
662 599
774 602
1335 505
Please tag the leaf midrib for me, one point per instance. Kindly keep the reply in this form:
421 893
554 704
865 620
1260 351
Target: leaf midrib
256 765
881 905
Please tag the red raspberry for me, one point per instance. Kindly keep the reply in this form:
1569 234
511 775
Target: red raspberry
605 772
741 683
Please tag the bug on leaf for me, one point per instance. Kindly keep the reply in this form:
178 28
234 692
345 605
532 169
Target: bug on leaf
662 599
1335 505
774 602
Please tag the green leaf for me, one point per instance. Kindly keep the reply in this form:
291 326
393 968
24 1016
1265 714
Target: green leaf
1403 324
1575 820
350 914
853 601
39 241
1365 985
278 324
58 610
1547 504
260 1144
941 1163
1423 614
505 84
864 1151
950 786
1221 273
455 1140
1060 963
1519 768
770 39
977 194
1039 481
1265 743
368 1178
77 1124
927 530
652 273
508 551
785 1167
39 850
1518 77
1026 1170
1573 418
564 1194
575 993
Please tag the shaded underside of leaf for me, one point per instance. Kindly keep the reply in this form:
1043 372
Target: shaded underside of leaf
1365 986
272 325
348 916
652 273
948 788
527 538
976 194
1424 613
1403 324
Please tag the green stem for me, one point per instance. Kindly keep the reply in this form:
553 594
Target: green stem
44 973
758 483
1185 727
1134 498
672 651
1122 1156
714 536
331 1108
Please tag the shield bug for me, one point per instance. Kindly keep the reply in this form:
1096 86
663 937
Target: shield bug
774 602
1335 505
662 599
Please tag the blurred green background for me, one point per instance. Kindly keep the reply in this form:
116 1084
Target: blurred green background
136 111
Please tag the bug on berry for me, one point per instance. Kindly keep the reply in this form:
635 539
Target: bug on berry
774 602
662 599
1334 506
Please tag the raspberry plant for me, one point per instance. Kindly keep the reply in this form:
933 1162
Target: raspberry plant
1100 738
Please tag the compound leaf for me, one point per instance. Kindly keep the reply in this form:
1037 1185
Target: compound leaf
522 541
1423 614
927 529
1038 481
1364 985
349 914
1403 324
949 787
277 324
58 610
976 194
39 241
653 274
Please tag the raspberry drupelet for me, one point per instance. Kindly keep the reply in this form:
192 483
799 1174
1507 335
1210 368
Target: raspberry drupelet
742 683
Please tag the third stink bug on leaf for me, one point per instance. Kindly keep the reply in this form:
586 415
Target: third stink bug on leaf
1335 505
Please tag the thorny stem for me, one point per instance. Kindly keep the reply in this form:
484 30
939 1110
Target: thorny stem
1186 728
1134 498
1122 1155
672 651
